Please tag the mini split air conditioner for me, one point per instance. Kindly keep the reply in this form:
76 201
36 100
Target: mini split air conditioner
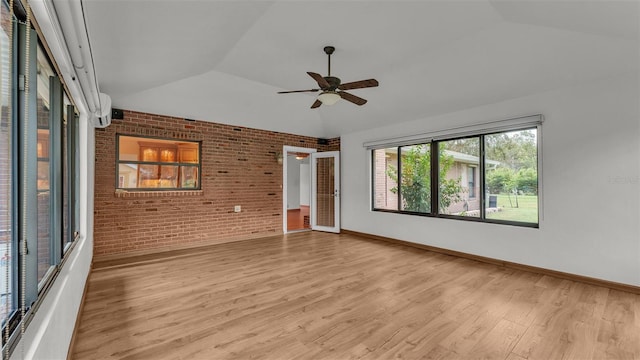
102 116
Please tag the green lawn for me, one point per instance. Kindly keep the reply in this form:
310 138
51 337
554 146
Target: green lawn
527 210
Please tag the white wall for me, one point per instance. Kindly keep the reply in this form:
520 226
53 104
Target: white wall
305 184
50 331
293 182
590 176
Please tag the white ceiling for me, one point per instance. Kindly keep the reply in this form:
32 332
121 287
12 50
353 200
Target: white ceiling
224 61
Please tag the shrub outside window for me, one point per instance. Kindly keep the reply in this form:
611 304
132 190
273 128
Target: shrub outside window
157 164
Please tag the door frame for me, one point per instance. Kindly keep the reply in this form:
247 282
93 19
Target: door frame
314 191
287 149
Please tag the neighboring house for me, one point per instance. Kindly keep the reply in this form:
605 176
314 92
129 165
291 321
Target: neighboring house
465 168
128 176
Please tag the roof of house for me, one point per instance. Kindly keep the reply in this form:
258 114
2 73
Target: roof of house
469 159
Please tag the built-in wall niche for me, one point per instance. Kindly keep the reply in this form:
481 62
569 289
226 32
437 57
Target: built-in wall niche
157 164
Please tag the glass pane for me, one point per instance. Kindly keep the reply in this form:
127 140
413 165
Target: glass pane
188 153
168 176
44 72
132 148
325 192
458 162
415 178
43 175
385 175
148 176
511 176
6 164
128 176
189 177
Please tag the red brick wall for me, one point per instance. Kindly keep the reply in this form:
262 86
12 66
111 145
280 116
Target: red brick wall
238 168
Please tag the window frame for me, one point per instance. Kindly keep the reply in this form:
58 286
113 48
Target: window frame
471 170
482 197
179 165
72 160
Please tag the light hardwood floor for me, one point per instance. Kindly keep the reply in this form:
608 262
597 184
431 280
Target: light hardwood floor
324 296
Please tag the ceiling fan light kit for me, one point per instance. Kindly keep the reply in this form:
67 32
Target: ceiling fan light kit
328 97
330 86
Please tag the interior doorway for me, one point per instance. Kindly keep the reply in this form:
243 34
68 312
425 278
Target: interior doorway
296 189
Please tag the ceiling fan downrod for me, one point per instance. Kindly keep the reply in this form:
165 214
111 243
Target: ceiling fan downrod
329 50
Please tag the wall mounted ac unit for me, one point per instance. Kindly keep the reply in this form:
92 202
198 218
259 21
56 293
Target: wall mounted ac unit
102 117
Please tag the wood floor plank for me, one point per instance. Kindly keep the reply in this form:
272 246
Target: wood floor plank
498 342
325 296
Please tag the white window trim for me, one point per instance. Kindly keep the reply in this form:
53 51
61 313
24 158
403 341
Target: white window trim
457 132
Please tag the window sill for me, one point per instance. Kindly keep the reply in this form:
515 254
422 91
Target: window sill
154 194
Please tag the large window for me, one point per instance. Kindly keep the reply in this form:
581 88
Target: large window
490 177
39 172
157 164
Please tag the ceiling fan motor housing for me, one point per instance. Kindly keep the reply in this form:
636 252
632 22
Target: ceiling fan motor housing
334 82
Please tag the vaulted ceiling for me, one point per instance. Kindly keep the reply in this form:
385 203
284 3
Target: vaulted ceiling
224 61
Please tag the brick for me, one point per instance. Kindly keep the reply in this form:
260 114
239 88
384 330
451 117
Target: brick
238 168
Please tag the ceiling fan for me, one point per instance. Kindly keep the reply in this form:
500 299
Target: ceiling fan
332 89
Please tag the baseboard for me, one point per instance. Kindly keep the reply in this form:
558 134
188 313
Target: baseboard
72 343
508 264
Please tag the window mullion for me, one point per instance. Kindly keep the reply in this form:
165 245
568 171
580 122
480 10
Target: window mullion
372 162
434 177
399 152
55 169
481 187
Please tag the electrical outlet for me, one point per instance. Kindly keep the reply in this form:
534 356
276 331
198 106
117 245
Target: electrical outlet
237 208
